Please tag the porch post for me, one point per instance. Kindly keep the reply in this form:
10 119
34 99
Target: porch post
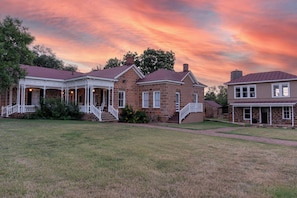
23 99
62 89
44 92
75 100
251 115
85 103
293 116
112 96
260 115
232 113
18 97
88 99
10 96
91 95
270 114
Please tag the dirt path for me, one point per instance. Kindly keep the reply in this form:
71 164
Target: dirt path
219 133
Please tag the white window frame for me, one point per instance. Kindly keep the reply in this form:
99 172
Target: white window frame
281 88
195 98
245 113
145 99
156 101
122 99
286 111
248 92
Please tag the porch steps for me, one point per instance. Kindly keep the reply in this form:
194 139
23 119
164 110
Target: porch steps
107 117
174 118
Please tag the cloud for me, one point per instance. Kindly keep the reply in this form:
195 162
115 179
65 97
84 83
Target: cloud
213 37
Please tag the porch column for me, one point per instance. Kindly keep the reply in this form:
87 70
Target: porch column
62 89
91 95
19 97
44 92
260 115
270 114
23 99
10 96
251 115
88 99
75 99
293 116
112 95
232 113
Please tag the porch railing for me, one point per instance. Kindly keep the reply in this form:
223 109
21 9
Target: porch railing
8 110
113 111
190 108
96 112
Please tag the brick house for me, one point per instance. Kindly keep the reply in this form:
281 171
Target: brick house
212 109
267 98
161 94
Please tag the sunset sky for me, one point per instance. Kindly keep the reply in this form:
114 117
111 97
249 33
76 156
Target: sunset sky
214 37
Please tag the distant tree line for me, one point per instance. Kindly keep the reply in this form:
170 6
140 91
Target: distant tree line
218 94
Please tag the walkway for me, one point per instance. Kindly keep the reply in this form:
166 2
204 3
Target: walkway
220 133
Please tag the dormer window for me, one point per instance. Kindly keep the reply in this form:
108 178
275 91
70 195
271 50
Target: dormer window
281 90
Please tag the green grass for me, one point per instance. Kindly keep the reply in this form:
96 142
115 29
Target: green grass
200 125
43 158
274 133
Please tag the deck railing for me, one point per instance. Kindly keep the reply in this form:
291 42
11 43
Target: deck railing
96 112
8 110
190 108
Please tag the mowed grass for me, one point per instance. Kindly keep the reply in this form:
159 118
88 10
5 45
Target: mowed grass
274 133
43 158
206 125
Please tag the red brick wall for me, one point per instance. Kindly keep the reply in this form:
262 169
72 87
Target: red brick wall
127 83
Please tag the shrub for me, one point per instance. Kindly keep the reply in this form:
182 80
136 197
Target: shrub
55 108
130 116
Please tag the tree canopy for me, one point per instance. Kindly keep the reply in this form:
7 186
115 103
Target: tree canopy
14 42
218 94
149 61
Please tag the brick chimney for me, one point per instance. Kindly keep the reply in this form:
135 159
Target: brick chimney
129 60
236 74
186 67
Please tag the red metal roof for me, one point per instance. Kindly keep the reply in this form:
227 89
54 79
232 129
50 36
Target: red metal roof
263 76
164 74
43 72
108 73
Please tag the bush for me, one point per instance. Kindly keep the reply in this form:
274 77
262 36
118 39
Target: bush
54 108
130 116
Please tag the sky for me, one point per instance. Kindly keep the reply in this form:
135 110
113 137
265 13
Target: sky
214 37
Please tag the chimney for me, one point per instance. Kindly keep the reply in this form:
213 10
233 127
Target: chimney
129 60
186 67
236 74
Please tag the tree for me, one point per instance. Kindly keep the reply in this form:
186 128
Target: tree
44 57
218 94
148 62
152 60
14 42
113 62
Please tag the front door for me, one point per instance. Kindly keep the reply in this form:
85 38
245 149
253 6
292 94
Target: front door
177 101
264 115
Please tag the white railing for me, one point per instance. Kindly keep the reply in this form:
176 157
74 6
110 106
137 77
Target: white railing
8 110
96 112
190 108
113 111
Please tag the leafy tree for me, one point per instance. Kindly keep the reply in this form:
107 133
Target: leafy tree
44 57
113 62
14 42
148 62
152 60
217 94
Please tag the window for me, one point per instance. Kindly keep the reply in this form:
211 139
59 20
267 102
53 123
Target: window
246 113
281 90
122 99
245 91
195 99
156 101
286 112
145 99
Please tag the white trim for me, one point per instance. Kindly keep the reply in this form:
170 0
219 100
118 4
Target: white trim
264 81
248 87
138 72
280 90
124 99
160 81
289 111
154 99
143 99
262 104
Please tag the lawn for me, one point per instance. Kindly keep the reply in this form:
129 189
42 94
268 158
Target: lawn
40 158
201 125
274 133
